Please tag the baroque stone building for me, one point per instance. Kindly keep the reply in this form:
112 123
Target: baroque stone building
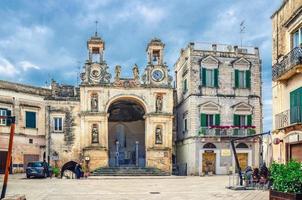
106 121
218 97
287 81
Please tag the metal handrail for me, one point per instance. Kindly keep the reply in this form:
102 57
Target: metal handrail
289 61
225 132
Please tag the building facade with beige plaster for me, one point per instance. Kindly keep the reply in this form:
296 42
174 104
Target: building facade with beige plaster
218 97
105 121
287 82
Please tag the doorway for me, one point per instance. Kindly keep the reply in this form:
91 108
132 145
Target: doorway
126 134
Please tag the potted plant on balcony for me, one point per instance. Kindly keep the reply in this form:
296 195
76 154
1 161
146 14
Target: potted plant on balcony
286 181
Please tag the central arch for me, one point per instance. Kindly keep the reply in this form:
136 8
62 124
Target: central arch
126 132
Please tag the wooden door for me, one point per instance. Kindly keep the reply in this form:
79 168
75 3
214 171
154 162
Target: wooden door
208 162
296 152
29 158
243 160
3 156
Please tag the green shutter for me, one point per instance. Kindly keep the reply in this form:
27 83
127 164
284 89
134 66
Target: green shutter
204 77
248 78
203 120
236 120
216 77
8 121
30 120
249 120
217 119
236 78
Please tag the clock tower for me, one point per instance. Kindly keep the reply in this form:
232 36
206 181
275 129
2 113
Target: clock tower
95 69
156 72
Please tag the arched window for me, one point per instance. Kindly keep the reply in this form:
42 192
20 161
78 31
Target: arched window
209 146
242 146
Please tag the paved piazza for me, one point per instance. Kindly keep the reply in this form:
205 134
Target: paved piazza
174 187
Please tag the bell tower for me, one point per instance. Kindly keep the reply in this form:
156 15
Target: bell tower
155 52
95 69
156 72
96 48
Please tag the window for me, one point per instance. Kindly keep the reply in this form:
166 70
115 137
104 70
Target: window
242 120
30 119
209 120
185 125
297 38
296 105
242 79
58 124
3 120
209 77
30 141
185 86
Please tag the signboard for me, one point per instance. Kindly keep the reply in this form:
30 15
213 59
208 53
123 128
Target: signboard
225 152
209 151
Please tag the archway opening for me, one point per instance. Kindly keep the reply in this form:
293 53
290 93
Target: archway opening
126 133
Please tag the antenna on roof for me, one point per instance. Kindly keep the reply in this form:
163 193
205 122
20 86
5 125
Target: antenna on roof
242 30
96 28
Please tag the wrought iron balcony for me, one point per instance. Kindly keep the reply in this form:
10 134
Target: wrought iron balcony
290 65
288 117
231 131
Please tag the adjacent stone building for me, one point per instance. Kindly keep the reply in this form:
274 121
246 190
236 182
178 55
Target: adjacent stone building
287 82
105 121
218 97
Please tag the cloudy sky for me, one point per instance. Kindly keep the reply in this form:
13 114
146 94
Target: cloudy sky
40 40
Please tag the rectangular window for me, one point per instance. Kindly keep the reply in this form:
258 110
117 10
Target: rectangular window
209 120
210 77
297 38
58 123
242 120
185 86
185 128
3 112
30 119
242 79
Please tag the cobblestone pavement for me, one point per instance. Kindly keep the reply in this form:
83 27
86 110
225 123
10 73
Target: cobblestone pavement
174 187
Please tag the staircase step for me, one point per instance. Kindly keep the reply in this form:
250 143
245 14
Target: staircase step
128 171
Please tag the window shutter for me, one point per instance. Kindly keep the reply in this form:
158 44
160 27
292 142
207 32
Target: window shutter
249 120
217 119
236 78
203 120
204 77
236 120
216 72
30 120
8 121
248 78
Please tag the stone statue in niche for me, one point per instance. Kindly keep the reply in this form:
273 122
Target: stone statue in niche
158 135
159 103
135 72
118 71
94 102
95 134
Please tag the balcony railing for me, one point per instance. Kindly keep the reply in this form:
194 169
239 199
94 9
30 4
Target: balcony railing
226 132
288 66
289 117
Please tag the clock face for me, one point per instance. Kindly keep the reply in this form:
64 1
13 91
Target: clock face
157 75
95 74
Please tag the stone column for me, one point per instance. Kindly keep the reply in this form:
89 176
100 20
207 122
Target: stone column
136 154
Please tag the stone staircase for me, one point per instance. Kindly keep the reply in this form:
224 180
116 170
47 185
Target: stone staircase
128 171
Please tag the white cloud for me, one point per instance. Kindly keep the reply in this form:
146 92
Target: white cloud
7 69
26 65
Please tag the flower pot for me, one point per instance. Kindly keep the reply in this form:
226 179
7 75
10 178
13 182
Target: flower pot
275 195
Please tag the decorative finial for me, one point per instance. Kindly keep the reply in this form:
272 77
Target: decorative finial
96 28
